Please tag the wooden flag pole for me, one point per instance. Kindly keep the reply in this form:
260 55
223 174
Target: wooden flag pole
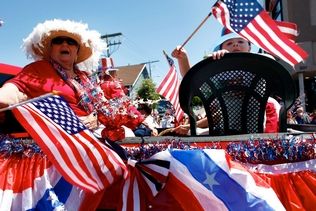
199 26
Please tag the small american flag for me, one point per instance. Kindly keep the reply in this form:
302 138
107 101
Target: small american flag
169 88
251 21
80 158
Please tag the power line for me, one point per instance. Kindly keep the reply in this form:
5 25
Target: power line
111 43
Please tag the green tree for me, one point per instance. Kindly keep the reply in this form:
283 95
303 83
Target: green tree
147 90
196 101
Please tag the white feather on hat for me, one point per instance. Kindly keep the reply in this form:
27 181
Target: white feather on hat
91 46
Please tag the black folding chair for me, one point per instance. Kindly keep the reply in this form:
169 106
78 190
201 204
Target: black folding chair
234 91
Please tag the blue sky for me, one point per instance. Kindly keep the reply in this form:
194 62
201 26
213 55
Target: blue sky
148 27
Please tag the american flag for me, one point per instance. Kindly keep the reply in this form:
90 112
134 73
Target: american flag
169 88
251 21
80 158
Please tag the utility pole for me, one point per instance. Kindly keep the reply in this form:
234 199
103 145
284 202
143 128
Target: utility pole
110 43
149 65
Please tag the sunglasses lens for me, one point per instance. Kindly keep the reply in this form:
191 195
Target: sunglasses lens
71 41
61 40
57 41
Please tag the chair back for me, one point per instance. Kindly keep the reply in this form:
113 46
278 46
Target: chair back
234 91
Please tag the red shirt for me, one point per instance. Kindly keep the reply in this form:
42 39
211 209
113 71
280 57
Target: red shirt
272 116
39 78
112 89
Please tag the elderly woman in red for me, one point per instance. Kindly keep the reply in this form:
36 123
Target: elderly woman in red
33 175
57 46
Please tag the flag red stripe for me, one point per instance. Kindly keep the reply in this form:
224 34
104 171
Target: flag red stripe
179 112
288 29
132 196
275 50
272 45
102 179
221 14
61 151
114 158
110 159
107 175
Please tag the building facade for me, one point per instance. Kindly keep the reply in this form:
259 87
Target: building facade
132 77
302 12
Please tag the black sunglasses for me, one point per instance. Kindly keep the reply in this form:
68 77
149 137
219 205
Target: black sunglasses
61 40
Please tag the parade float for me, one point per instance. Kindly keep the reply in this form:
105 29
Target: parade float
252 171
269 171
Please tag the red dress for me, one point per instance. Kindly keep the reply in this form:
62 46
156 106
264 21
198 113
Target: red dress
39 78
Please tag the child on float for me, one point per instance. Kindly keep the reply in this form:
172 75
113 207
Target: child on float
229 42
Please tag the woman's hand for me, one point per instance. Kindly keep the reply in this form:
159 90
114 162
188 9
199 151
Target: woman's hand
10 95
90 121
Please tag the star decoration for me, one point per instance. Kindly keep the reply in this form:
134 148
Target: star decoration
210 180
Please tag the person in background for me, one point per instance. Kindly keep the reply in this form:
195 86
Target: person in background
149 125
301 116
167 120
290 118
228 43
313 117
110 84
